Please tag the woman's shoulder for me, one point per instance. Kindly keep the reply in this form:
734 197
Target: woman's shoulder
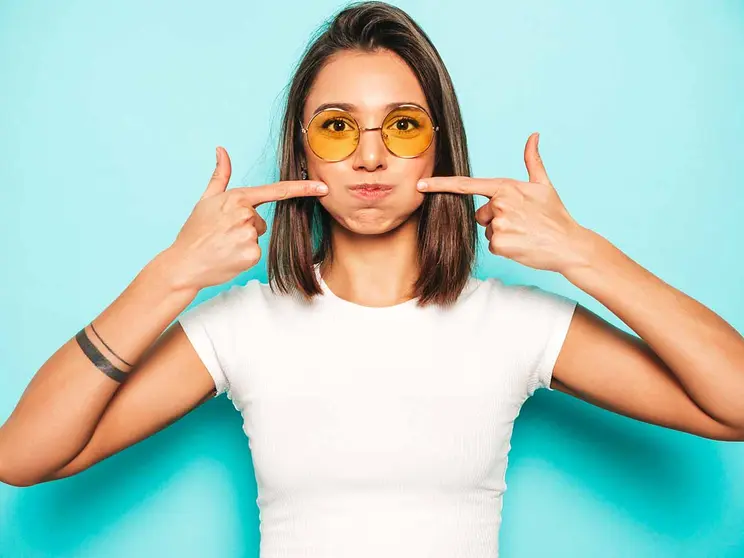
523 297
227 301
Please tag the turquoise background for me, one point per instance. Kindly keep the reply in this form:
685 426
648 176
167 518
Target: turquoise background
109 116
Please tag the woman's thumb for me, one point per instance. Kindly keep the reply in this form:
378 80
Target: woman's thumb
221 175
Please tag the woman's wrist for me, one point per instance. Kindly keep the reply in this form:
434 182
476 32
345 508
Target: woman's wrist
168 271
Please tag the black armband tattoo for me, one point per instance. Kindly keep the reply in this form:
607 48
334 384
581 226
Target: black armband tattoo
106 345
98 359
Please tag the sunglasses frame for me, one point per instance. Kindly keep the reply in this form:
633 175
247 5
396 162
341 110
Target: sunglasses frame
362 129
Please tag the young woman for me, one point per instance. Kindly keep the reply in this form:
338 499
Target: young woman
377 379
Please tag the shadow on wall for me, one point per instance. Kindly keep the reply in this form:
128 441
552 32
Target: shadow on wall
671 481
61 516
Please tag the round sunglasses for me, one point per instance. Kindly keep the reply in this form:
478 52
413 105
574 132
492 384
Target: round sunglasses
333 134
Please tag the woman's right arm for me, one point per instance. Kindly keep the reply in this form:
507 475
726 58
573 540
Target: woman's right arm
72 415
68 411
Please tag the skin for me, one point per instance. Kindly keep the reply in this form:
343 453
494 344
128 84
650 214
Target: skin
374 241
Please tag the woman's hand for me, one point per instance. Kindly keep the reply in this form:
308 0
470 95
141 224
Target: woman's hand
220 238
525 221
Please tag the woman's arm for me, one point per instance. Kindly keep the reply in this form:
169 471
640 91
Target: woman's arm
71 414
686 371
169 382
65 400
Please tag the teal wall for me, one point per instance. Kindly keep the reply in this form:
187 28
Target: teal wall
109 116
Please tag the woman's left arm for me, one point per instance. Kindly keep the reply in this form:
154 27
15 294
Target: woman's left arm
686 371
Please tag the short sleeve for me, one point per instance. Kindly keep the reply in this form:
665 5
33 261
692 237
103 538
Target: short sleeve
546 318
211 328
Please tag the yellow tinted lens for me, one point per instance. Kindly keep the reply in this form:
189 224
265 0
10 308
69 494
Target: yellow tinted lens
332 135
407 131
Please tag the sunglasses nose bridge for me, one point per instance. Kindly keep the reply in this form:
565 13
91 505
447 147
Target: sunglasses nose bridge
372 155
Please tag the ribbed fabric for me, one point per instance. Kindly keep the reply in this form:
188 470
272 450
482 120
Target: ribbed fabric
380 431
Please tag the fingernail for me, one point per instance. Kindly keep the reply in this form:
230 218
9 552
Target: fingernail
217 153
421 185
321 188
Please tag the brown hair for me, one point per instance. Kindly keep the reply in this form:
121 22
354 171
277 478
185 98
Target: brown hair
301 229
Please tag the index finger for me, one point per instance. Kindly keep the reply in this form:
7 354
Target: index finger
256 195
488 187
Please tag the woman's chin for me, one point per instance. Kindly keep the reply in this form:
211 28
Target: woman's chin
374 223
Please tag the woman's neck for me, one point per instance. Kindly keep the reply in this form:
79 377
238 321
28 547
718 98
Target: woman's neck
373 270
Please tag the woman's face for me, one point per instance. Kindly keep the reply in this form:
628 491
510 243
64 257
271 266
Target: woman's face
369 81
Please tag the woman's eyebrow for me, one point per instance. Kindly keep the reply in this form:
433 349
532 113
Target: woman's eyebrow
353 108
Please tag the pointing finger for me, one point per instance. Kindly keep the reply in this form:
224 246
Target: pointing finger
487 187
257 195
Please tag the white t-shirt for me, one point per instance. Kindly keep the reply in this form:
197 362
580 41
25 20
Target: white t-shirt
379 431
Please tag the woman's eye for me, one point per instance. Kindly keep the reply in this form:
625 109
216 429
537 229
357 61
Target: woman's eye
405 124
335 125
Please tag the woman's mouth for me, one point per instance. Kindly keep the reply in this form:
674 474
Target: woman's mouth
371 191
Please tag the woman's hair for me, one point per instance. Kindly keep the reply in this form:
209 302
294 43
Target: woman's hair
301 229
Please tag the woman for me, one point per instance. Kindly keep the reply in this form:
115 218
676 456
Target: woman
376 425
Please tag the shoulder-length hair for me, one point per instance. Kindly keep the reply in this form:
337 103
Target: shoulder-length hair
447 234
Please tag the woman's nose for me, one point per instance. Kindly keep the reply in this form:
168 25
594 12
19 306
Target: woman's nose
371 152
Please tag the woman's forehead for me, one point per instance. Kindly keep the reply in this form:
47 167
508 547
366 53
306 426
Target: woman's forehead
367 83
